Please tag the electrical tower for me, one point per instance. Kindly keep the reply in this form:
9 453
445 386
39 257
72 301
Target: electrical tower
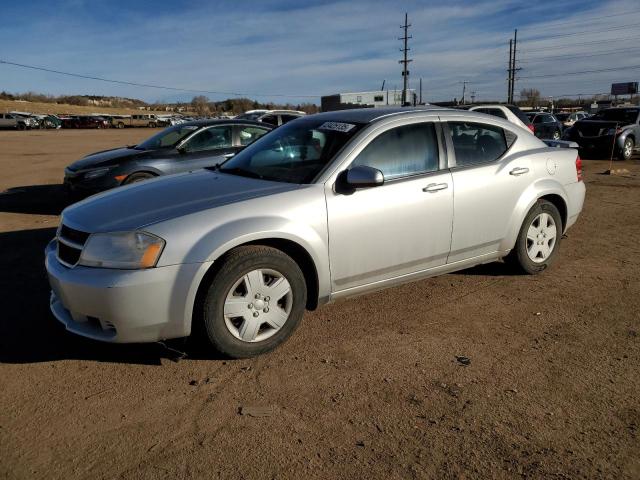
405 61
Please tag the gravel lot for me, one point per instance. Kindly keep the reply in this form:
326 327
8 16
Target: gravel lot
367 388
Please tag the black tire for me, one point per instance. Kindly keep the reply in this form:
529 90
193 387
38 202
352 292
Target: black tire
137 177
120 125
519 256
236 264
22 126
627 149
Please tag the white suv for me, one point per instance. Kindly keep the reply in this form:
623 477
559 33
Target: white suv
510 113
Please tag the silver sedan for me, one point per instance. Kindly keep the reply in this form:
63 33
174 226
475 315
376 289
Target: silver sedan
325 207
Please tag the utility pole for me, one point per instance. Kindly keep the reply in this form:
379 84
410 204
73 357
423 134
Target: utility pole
510 70
512 67
420 90
405 61
464 89
473 96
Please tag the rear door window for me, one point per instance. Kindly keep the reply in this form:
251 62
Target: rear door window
478 143
210 139
402 151
249 134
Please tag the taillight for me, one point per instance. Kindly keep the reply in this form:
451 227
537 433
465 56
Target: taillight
579 168
532 128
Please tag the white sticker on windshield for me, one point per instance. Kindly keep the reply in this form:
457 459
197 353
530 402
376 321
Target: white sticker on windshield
336 126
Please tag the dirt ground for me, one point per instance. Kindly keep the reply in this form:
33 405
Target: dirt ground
366 388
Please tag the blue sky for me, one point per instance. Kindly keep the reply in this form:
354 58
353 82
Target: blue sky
296 48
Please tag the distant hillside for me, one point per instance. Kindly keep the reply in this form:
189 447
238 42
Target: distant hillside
65 108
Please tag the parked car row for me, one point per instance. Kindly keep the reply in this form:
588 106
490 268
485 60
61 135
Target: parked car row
27 121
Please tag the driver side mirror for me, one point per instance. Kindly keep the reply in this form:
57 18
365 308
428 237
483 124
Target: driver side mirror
182 148
362 176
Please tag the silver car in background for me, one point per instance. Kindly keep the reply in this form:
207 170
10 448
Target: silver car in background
327 206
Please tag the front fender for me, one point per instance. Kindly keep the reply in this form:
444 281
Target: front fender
527 200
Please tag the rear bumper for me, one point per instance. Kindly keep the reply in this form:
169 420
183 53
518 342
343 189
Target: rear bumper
122 306
575 194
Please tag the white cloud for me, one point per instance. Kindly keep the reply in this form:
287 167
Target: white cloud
318 49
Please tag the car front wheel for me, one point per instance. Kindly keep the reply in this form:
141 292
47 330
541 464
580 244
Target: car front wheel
254 302
538 239
627 149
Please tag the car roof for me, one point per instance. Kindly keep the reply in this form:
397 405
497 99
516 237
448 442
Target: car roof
224 121
368 115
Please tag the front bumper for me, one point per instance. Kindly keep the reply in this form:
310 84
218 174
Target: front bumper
76 184
599 144
122 306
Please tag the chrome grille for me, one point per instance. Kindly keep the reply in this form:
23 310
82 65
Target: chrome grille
70 244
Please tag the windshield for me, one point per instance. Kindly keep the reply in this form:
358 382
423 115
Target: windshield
294 153
168 137
623 115
562 116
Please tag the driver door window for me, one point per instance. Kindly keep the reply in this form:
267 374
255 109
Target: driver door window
213 138
402 151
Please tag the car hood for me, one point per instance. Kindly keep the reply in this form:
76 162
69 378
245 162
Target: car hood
138 205
105 158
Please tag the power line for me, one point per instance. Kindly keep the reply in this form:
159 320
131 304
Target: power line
630 67
161 87
586 20
578 55
594 42
584 32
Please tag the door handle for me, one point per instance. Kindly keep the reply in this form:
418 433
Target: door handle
435 187
519 171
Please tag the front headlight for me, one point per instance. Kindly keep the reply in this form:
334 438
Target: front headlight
98 172
126 250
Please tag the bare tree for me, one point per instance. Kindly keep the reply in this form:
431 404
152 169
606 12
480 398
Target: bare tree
531 96
200 105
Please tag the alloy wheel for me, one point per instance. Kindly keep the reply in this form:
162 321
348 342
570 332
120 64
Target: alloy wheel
258 305
541 238
627 149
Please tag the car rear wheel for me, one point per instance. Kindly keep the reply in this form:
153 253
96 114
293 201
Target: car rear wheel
254 302
627 149
538 239
120 125
137 177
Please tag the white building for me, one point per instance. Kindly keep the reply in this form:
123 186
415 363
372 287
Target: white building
380 98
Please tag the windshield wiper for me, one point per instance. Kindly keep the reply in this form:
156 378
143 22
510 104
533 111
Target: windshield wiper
241 172
213 168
